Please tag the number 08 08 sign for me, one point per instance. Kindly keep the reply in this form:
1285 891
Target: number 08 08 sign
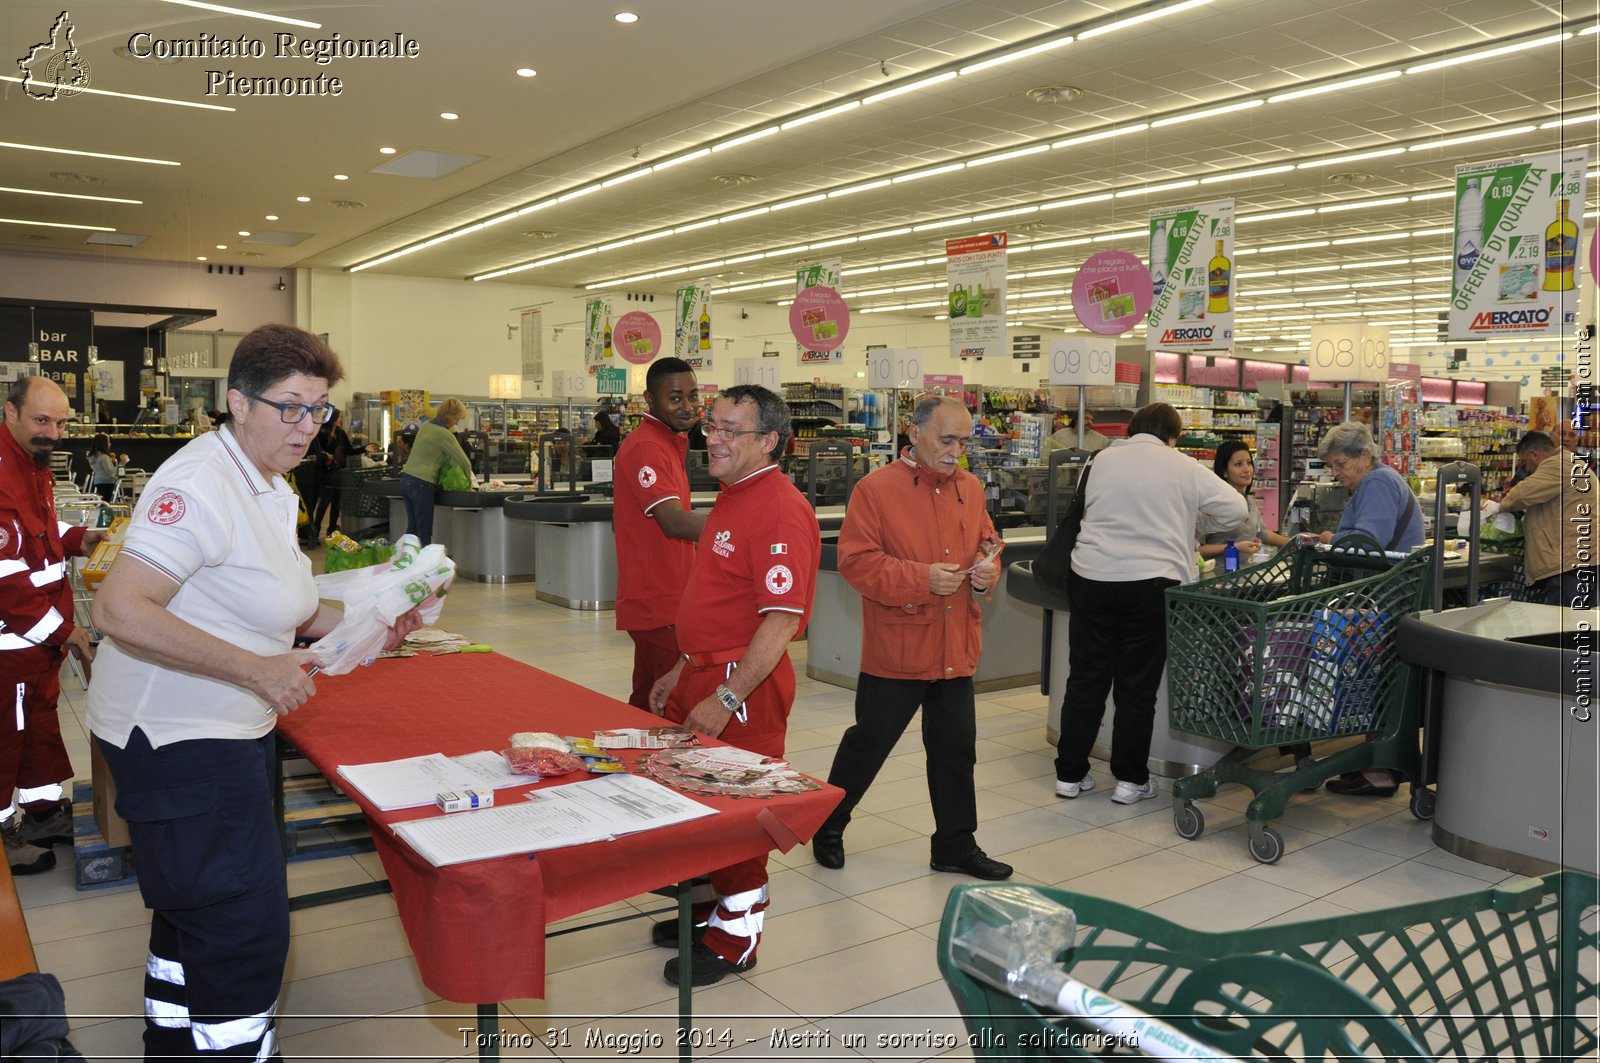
1082 360
1341 353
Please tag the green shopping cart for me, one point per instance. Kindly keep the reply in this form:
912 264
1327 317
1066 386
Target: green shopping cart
1506 973
1297 649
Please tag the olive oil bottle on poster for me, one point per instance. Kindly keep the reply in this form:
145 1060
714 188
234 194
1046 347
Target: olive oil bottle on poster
691 325
1519 224
1191 274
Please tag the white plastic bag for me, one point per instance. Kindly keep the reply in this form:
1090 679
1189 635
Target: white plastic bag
416 577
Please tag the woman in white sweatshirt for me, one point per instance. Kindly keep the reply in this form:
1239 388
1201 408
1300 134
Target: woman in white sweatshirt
1143 502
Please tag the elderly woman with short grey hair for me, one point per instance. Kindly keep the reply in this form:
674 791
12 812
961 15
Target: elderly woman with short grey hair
1381 504
1383 508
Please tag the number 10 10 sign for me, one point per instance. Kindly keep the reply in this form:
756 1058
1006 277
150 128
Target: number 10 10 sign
1082 360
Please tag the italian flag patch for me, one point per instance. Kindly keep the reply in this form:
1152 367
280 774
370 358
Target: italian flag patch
780 548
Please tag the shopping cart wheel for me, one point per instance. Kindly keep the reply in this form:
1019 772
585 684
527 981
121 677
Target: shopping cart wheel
1422 802
1266 844
1188 820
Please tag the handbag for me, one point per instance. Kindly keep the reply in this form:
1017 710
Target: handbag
1053 567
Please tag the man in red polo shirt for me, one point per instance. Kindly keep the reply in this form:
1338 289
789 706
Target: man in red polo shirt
750 593
655 529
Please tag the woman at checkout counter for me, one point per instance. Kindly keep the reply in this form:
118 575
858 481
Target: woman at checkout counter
1237 468
435 447
1381 506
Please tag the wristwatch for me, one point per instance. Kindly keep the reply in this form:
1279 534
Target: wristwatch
726 698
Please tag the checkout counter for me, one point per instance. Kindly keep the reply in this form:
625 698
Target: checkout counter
472 525
1010 654
1516 737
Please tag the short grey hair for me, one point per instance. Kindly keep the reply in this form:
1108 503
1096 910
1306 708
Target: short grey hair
1352 439
924 411
772 413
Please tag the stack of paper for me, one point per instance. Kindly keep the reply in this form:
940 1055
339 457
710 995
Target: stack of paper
415 781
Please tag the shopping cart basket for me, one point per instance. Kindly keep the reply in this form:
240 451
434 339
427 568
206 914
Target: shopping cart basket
1506 973
1297 649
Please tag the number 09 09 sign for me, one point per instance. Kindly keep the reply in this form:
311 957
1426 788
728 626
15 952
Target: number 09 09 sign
1086 361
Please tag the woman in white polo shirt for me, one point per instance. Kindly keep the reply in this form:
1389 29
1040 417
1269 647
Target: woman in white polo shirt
200 613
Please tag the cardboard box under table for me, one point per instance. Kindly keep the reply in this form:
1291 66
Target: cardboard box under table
477 929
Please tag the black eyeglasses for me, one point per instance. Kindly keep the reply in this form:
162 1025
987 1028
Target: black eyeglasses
295 412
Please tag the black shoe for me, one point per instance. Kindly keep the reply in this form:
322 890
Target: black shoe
709 966
45 829
828 848
1376 782
664 935
977 863
24 857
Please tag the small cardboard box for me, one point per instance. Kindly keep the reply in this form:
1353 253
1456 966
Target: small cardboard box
100 561
112 827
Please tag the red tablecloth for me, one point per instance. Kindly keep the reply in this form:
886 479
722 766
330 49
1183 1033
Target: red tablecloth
477 929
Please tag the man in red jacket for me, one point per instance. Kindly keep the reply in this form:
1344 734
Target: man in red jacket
918 546
36 628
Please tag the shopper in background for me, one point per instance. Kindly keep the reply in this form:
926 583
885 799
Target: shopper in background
749 594
336 448
918 546
607 436
308 478
1381 504
1142 506
1233 462
1065 436
36 627
1557 500
400 447
200 613
1382 507
435 445
104 467
655 528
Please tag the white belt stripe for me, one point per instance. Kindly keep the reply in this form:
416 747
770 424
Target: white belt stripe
9 641
44 628
9 567
234 1032
53 573
163 970
7 812
170 1016
22 689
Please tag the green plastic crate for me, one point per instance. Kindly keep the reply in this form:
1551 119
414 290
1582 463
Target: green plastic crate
1509 972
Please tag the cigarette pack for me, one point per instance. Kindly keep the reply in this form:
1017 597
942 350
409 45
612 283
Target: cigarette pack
465 800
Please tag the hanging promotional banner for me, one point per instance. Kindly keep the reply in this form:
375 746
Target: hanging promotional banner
597 333
1519 223
532 335
1191 278
691 325
636 337
975 274
1111 292
824 323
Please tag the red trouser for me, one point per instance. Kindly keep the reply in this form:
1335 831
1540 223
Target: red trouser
655 653
765 727
31 751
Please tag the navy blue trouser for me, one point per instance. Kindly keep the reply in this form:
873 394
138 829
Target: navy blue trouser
205 840
418 495
949 738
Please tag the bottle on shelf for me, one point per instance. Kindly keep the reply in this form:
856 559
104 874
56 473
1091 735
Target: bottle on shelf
1560 251
1158 258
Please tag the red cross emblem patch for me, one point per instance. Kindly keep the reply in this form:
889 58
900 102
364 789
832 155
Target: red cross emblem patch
167 509
647 477
779 579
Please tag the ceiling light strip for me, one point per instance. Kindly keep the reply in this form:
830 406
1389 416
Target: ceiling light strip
56 225
246 13
86 91
87 154
68 195
1135 20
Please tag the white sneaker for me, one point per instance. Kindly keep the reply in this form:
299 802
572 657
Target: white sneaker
1073 789
1129 793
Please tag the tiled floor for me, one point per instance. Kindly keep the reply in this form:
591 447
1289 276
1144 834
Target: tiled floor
849 952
